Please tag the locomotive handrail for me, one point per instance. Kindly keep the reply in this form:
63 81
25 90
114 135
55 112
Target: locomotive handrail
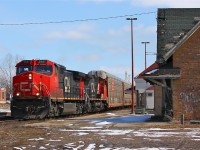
47 91
86 94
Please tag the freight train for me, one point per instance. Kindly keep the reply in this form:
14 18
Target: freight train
42 88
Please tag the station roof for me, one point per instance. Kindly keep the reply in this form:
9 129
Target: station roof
184 39
173 24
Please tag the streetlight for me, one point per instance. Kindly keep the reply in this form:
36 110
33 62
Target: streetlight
132 93
145 61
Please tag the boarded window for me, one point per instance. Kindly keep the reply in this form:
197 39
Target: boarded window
67 84
92 88
150 94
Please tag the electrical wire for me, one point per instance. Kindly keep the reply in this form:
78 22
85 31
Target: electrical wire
71 21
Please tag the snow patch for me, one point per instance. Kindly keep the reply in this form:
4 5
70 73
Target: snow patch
17 148
69 124
36 139
114 132
51 140
42 147
149 139
78 130
69 145
158 129
196 139
103 123
110 114
5 110
101 132
90 127
81 133
91 147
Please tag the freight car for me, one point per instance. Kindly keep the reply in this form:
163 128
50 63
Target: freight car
42 88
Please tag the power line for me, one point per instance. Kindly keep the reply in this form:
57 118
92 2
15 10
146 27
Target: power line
71 21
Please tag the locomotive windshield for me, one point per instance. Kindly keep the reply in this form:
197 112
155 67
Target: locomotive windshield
22 69
44 69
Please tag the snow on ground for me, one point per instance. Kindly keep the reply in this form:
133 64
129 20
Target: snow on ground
90 127
98 128
151 134
5 110
60 120
111 114
103 123
140 133
36 139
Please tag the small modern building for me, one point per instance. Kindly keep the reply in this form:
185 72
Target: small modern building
176 72
145 95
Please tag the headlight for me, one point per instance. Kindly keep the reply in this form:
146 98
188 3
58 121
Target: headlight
17 94
30 76
37 94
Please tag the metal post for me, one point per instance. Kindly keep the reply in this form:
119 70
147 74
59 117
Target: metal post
132 93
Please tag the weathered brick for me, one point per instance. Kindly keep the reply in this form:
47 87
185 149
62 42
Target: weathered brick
186 95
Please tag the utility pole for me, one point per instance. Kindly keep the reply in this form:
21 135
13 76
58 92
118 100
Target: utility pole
145 54
145 63
132 93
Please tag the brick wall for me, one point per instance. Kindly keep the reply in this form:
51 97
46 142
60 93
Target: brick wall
186 90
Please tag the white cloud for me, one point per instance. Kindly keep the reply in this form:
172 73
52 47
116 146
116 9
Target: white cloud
167 3
80 32
142 28
68 35
117 70
89 57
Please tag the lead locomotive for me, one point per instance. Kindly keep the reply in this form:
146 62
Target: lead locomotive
42 88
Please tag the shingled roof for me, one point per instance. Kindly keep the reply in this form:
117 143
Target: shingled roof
187 36
174 25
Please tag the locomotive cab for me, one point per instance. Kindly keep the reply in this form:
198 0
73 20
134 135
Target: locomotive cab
32 79
31 88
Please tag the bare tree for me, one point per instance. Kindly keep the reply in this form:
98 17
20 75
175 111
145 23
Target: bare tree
7 71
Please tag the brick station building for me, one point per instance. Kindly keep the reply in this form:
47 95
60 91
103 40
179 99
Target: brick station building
176 72
2 95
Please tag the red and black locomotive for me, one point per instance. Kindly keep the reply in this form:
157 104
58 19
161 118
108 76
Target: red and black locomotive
42 88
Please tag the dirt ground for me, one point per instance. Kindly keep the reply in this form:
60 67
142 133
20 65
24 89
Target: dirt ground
105 131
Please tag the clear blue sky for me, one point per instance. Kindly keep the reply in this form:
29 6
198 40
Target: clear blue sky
83 46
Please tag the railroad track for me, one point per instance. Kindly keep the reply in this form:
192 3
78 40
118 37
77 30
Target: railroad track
6 118
9 118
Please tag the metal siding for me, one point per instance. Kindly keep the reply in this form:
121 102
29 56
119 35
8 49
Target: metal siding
116 97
